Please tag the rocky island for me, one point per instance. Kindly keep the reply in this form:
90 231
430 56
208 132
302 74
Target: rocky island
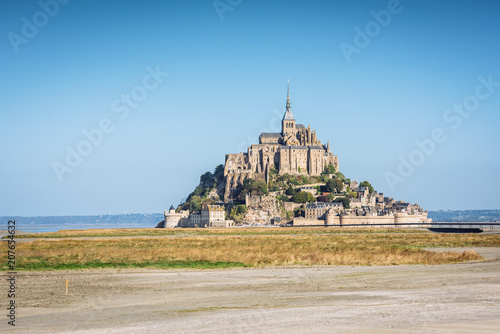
288 178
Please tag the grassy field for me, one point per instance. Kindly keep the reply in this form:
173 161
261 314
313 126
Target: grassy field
256 248
135 232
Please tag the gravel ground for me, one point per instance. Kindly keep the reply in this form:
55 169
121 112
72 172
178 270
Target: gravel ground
455 298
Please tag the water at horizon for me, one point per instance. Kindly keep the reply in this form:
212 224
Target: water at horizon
56 223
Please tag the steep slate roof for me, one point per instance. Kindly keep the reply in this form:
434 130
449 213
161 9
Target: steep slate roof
288 115
323 204
270 134
300 126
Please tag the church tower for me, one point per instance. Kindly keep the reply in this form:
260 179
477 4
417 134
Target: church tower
288 122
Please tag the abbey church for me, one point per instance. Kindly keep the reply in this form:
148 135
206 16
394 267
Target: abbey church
295 150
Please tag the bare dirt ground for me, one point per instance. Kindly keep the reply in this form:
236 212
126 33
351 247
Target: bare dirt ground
455 298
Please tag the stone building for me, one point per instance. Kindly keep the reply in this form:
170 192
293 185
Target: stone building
309 189
317 210
294 150
210 216
213 216
195 219
397 214
172 219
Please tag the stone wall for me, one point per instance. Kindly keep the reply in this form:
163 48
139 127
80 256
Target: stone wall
402 219
299 221
394 221
254 200
361 220
221 223
290 206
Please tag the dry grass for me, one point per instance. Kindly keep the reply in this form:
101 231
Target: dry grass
131 232
254 250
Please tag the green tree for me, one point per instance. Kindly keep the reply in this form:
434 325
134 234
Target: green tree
330 186
198 191
323 198
294 181
324 178
195 203
303 197
291 190
205 177
238 213
219 173
255 187
282 198
273 187
207 201
334 186
248 184
329 169
367 185
345 201
339 176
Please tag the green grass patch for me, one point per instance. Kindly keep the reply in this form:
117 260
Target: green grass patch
41 264
227 251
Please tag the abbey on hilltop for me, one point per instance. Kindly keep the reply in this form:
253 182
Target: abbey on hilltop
295 150
288 178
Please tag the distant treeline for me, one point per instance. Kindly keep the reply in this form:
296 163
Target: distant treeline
465 216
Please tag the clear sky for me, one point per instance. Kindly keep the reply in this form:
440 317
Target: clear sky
373 77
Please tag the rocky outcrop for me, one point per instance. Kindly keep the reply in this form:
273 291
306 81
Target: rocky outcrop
263 211
160 224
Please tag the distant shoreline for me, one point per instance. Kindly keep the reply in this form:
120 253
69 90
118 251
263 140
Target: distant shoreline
41 224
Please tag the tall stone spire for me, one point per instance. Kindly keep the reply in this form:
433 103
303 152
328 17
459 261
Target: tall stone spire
288 95
328 147
288 113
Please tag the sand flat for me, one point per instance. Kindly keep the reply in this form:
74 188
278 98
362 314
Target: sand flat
453 298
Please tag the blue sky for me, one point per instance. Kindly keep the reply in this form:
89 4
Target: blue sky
227 74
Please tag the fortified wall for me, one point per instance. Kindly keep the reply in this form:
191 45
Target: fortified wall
396 220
